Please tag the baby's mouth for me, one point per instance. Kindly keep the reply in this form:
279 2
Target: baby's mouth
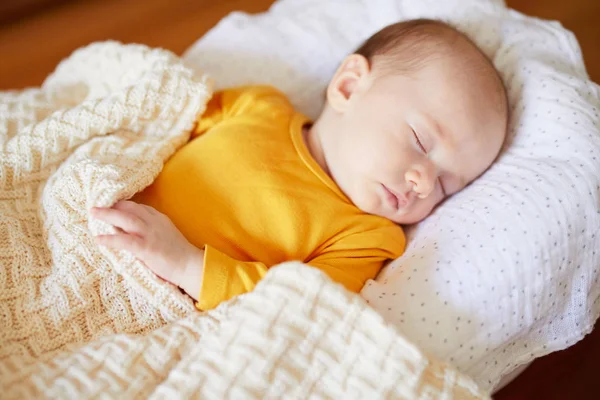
394 199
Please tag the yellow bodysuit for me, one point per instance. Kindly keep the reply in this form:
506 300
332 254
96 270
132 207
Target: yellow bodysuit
246 189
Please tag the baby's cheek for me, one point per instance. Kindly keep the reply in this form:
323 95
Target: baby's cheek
423 209
370 203
363 198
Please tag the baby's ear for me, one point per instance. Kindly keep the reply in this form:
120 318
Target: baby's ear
346 81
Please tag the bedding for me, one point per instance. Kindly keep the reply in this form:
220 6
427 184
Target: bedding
80 321
507 270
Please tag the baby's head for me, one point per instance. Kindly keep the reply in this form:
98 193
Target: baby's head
413 116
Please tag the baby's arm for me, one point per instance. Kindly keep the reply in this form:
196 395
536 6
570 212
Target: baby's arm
154 239
351 272
355 258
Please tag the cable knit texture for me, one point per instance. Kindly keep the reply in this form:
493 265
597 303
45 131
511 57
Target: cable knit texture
79 321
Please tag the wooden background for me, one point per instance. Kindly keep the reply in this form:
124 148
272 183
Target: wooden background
31 44
30 47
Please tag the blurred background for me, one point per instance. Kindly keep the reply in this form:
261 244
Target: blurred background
36 34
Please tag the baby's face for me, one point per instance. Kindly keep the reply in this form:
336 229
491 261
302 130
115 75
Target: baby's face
404 144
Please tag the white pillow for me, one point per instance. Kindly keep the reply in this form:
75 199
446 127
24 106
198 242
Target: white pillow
507 270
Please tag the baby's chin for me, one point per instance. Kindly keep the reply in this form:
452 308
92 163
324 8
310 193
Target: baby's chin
411 214
415 213
408 218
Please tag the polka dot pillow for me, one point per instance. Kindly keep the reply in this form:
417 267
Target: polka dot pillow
507 270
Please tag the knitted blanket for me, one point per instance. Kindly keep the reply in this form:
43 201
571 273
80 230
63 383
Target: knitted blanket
79 321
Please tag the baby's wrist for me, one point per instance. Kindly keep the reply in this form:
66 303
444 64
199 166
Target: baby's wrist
190 276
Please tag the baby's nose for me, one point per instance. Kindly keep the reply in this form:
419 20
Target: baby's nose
422 180
423 188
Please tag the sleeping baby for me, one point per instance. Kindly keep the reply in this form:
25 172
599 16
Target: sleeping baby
413 116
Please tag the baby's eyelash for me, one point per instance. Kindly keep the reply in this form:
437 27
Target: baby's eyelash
419 141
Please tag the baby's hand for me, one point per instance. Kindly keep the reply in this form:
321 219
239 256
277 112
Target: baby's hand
154 239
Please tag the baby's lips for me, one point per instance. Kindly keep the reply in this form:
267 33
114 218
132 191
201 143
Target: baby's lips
403 199
402 202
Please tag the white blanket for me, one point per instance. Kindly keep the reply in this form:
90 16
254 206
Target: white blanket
77 321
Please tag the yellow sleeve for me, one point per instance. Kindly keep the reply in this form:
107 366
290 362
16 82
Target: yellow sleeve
349 261
235 102
356 258
225 277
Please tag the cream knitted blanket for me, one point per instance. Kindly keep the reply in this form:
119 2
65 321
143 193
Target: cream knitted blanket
78 321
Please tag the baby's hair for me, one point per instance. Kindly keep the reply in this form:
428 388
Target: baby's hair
408 43
407 46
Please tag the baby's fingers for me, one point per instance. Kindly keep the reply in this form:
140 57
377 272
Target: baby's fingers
132 207
120 219
122 241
